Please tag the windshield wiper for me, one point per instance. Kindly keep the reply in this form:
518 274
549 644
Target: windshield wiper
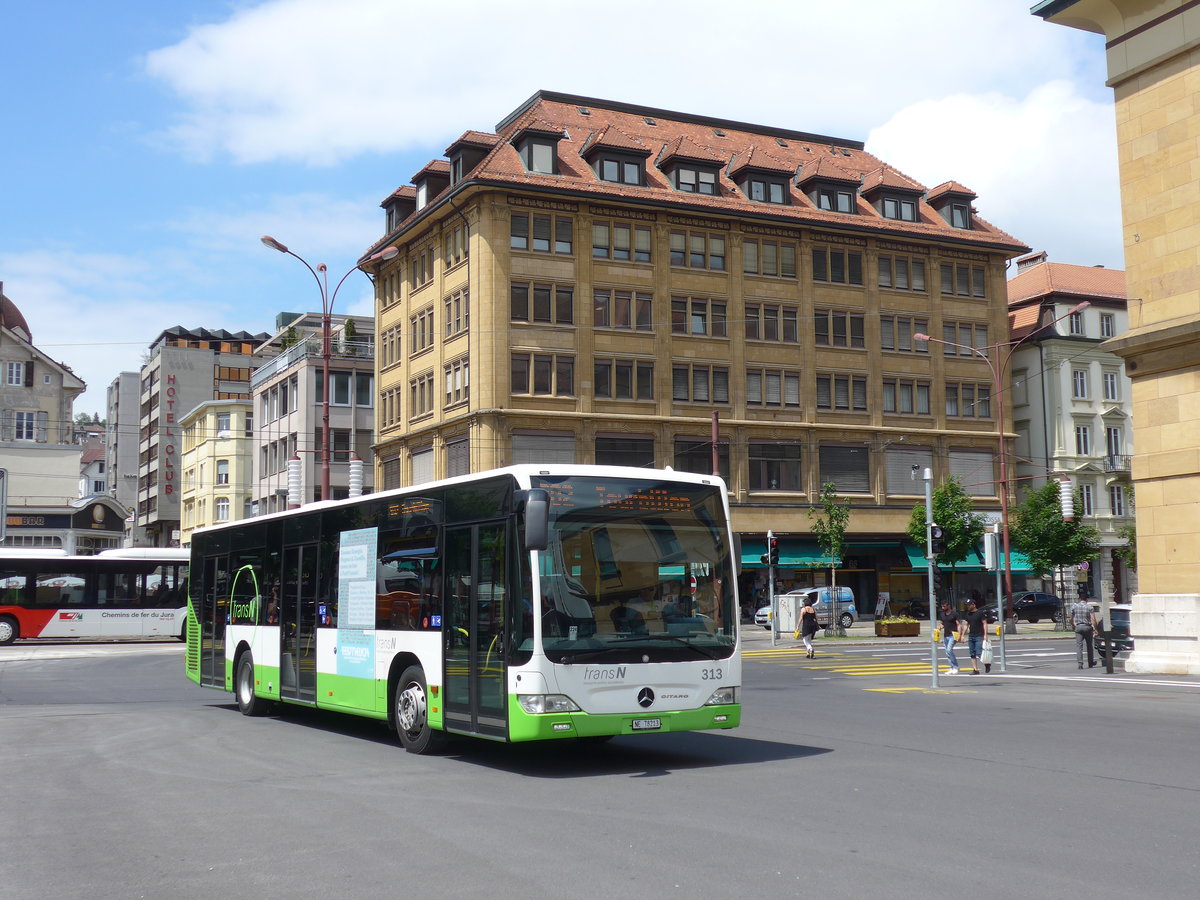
703 651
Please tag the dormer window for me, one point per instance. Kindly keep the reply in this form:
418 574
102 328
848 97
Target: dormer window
422 195
619 169
696 180
766 190
960 215
952 202
538 155
456 170
896 208
834 200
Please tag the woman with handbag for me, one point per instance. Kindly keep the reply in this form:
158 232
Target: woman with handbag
808 627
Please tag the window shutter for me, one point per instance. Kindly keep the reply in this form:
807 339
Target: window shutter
541 448
458 458
7 427
899 467
43 423
29 374
422 466
847 467
974 469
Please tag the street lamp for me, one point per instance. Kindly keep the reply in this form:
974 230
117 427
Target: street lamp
321 274
997 375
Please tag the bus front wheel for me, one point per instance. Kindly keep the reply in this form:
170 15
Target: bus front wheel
8 629
247 702
410 713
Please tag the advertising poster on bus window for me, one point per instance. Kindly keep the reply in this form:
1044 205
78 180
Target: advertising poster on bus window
356 603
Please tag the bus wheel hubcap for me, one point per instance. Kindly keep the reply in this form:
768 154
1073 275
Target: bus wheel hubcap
411 709
6 631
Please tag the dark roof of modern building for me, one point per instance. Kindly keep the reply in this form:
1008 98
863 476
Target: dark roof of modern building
573 120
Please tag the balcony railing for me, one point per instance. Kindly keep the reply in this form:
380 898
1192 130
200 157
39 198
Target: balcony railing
310 348
1116 464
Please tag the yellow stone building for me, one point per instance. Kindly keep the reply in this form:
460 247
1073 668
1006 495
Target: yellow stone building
217 457
598 282
1153 52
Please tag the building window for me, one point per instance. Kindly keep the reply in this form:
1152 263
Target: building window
960 215
389 351
623 379
963 338
364 389
1079 384
698 250
1116 499
223 422
901 273
15 374
389 407
775 467
894 208
846 393
905 396
696 180
772 322
896 333
538 155
837 266
543 447
772 387
834 200
700 383
420 331
963 280
1076 323
969 401
695 455
838 328
638 452
1114 444
621 241
623 309
221 509
457 308
420 395
903 467
1083 440
775 259
551 303
541 233
25 426
1112 389
1087 503
458 380
457 244
222 471
421 266
458 458
975 470
543 374
766 190
847 467
620 169
695 315
1108 325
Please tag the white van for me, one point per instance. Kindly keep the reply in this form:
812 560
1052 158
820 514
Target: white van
792 602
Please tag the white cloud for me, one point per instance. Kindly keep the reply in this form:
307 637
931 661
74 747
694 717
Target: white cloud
320 81
1044 165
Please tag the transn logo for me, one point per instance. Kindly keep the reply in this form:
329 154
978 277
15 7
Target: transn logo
70 616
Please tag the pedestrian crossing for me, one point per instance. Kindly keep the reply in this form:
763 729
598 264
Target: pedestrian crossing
862 661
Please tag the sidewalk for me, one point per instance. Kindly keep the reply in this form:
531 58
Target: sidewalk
863 632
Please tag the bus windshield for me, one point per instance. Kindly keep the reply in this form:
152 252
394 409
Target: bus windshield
636 571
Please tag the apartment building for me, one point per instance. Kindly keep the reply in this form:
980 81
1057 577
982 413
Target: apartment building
600 282
216 462
186 368
1072 405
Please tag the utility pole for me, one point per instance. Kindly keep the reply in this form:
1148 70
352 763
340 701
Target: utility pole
931 559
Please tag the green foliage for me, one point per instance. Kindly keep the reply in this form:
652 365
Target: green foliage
830 528
1039 531
953 509
1127 552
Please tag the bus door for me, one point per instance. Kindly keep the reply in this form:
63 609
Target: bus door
475 692
213 615
298 624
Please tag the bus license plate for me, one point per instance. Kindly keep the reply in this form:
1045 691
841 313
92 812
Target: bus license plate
646 724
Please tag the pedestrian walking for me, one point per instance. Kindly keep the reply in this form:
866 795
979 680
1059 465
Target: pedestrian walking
950 628
976 623
808 628
1084 620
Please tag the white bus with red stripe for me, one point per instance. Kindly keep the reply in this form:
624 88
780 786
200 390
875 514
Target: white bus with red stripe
130 593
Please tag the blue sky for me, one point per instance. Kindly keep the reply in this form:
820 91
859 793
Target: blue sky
148 145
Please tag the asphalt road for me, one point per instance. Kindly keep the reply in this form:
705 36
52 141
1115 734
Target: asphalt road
849 778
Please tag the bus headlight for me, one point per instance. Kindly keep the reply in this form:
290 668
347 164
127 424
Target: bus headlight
540 704
722 696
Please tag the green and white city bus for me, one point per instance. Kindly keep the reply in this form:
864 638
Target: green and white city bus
522 604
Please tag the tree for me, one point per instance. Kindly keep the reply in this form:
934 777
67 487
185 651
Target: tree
962 527
1127 552
1039 530
830 530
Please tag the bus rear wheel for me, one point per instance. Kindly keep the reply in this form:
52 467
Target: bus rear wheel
410 713
243 686
8 629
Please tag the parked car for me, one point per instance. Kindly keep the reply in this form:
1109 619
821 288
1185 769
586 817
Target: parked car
1118 629
820 600
1034 606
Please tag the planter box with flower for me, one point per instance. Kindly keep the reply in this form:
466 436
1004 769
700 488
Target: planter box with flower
897 626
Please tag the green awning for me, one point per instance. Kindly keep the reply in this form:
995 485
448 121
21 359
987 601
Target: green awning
794 553
973 562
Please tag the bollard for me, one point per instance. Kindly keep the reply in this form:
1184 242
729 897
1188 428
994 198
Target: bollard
1107 652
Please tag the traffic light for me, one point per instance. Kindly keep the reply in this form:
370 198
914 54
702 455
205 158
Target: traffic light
771 557
937 578
937 540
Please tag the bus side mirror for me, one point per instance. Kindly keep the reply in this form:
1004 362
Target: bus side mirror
737 554
537 518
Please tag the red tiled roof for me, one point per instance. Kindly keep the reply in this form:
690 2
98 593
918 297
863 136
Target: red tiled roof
886 176
433 167
474 139
1049 278
757 158
950 187
682 147
1024 321
833 158
611 136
